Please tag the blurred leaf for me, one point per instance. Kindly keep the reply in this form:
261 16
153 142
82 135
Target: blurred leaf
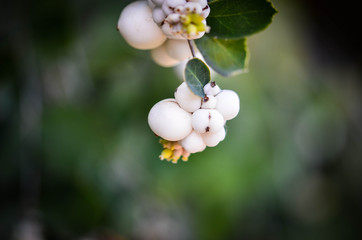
226 56
197 75
52 25
236 19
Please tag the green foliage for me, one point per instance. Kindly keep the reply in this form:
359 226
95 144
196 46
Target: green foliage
197 75
235 19
224 48
226 56
80 162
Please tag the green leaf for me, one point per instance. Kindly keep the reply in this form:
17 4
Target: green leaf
226 56
239 18
197 75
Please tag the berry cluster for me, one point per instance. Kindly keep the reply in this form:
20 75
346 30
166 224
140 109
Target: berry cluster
181 19
188 123
164 27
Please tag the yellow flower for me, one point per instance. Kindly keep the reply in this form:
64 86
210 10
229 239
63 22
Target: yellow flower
173 151
166 154
192 23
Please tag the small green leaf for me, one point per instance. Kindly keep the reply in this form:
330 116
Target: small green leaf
197 75
236 18
226 56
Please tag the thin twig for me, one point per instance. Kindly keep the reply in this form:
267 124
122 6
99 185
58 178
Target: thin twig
191 48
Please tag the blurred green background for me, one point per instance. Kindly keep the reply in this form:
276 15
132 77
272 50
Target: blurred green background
78 160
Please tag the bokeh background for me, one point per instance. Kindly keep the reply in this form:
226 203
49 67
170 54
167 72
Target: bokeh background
78 160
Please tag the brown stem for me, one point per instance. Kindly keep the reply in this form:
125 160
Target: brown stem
191 48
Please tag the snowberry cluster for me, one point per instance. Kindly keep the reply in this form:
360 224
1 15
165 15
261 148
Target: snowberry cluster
188 123
164 26
181 19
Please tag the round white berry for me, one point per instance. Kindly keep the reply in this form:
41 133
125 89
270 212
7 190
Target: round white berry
169 121
169 32
228 104
161 57
157 2
166 8
205 12
193 143
158 15
202 3
179 9
178 49
208 102
211 88
138 28
213 139
166 29
204 6
207 120
193 7
175 3
173 18
151 4
177 29
187 99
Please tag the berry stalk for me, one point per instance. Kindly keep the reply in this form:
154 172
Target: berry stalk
191 48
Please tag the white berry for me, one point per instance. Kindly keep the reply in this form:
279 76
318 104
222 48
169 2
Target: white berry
205 7
161 57
175 3
193 143
213 139
158 15
178 49
157 2
169 31
208 102
173 18
205 12
193 7
151 4
187 99
211 88
169 121
179 9
166 8
228 104
207 120
138 28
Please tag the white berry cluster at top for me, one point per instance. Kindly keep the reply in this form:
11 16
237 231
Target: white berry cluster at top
164 27
188 123
181 19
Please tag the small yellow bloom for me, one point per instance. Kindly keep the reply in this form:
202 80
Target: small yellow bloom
201 27
185 19
166 154
196 18
191 29
192 23
173 151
